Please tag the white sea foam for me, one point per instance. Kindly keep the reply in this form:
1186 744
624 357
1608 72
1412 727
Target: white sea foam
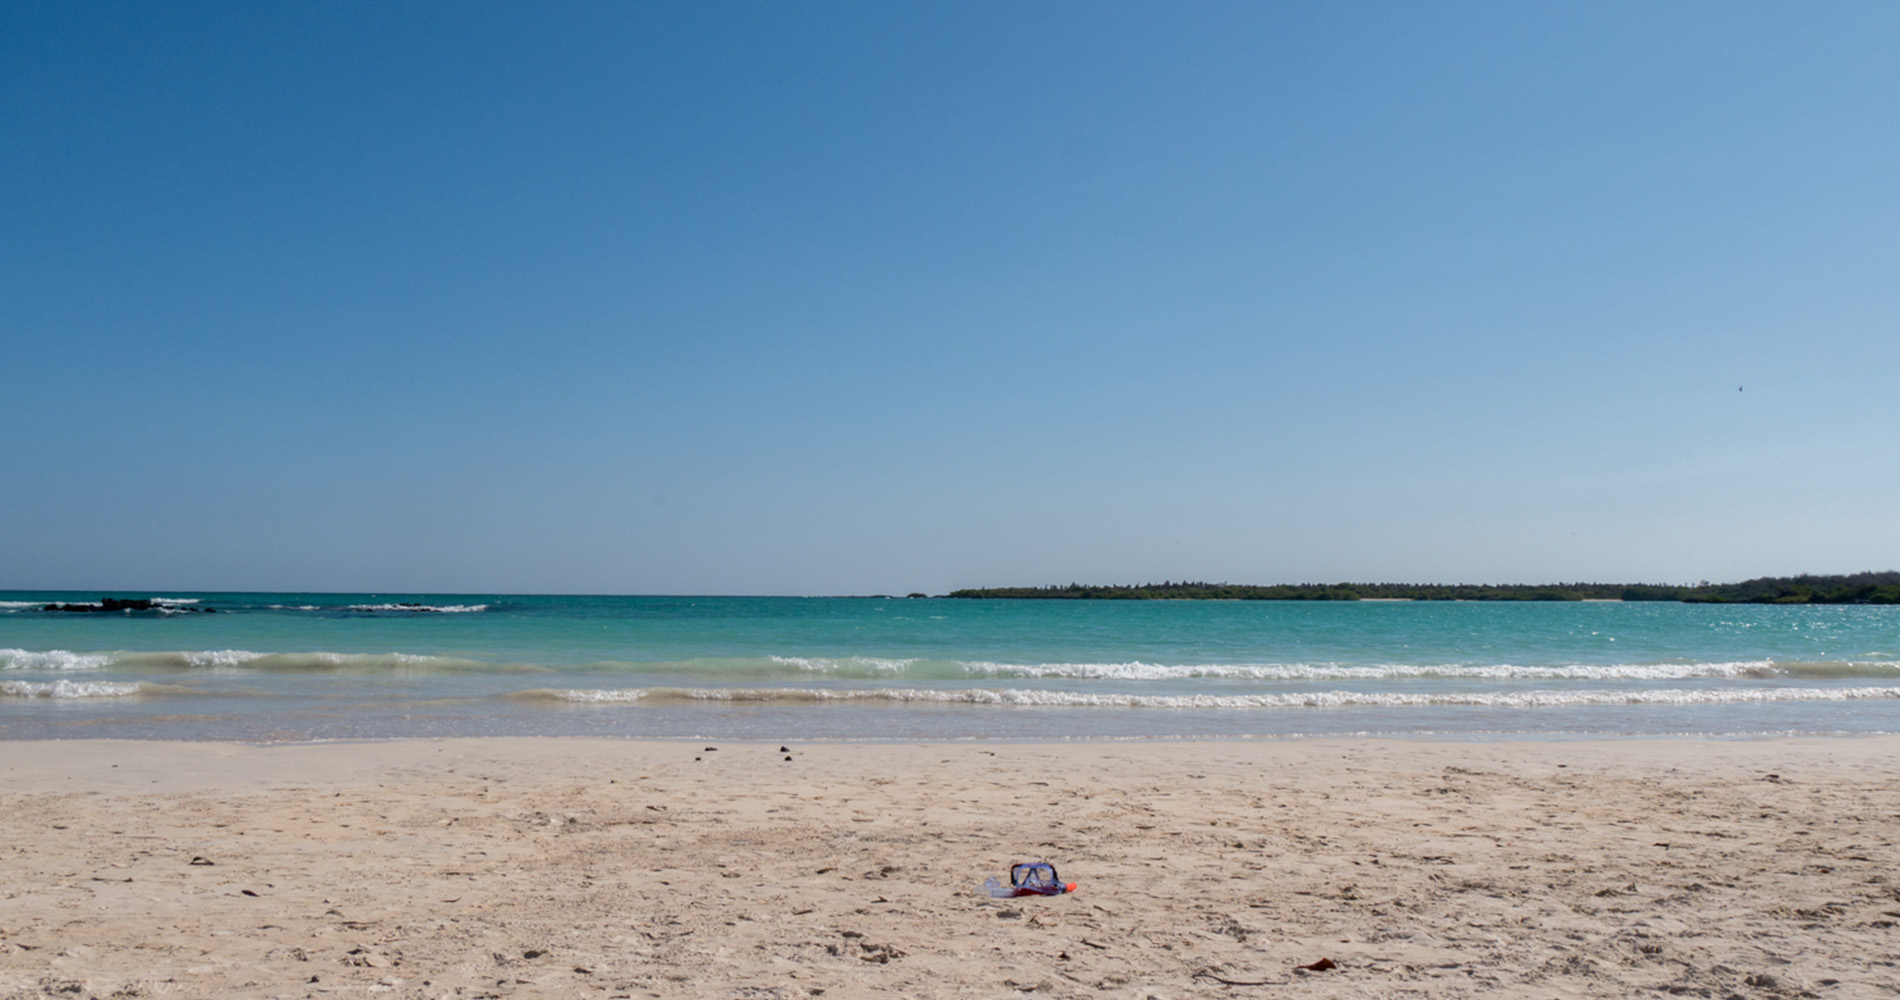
324 661
847 664
62 690
447 609
161 601
1028 697
244 660
51 659
595 696
1293 672
220 657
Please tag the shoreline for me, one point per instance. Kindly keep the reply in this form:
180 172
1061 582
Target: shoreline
551 866
1460 738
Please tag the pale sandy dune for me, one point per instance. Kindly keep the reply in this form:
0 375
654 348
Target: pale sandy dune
565 868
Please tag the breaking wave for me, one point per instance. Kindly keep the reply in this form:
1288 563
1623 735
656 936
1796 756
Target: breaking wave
64 690
52 659
889 669
848 665
722 671
245 660
1029 697
320 662
1139 671
441 609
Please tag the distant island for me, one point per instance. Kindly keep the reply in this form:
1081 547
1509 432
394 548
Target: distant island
1859 588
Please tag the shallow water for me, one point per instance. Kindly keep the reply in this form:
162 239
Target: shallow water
354 666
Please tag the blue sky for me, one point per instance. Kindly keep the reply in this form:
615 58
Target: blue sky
856 298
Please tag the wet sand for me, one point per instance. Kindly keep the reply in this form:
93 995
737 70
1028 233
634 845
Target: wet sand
584 868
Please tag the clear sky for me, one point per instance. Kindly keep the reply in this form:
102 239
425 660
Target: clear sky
880 297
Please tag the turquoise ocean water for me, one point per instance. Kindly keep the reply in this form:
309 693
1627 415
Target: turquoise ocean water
366 666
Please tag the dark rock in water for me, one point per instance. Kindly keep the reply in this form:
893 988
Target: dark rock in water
106 605
116 605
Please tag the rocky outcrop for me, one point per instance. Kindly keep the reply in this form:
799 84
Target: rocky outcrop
117 605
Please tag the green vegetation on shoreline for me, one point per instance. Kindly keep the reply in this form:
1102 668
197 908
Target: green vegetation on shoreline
1859 588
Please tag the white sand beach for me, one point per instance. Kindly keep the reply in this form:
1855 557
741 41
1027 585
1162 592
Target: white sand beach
579 868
